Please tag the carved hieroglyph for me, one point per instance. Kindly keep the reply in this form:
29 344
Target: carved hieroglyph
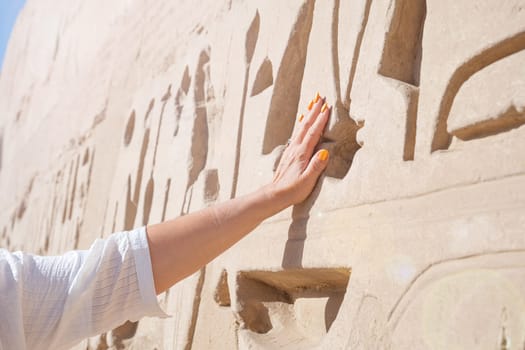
120 114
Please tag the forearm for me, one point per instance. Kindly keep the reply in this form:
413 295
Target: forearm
182 246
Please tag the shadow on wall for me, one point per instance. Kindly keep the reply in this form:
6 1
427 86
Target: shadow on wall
294 248
295 305
340 136
288 82
402 58
252 35
505 121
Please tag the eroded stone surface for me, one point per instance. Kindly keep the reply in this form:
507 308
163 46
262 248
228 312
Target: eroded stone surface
414 238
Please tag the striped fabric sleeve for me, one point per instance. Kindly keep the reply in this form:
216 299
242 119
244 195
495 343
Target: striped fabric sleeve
58 301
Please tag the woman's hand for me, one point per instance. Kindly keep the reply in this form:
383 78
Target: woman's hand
298 171
180 247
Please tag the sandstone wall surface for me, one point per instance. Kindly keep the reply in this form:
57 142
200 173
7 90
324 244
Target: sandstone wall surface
116 114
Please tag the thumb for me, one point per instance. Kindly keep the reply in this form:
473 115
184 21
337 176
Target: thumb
317 164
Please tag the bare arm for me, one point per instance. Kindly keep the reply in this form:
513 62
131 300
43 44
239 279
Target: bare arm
182 246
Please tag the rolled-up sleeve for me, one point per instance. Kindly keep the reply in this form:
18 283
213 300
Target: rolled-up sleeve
55 302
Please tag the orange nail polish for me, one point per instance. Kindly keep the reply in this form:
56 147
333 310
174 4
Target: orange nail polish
325 107
323 155
317 97
301 117
310 105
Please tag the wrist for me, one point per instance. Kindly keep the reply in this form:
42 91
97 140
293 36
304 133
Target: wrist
276 200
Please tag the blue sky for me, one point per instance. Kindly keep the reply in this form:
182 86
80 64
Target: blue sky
9 9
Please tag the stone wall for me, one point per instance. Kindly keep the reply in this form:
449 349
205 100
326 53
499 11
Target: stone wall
116 114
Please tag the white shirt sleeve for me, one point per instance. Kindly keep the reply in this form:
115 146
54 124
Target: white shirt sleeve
55 302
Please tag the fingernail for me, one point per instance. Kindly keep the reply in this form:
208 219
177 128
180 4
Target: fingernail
310 105
317 97
325 107
301 117
323 155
